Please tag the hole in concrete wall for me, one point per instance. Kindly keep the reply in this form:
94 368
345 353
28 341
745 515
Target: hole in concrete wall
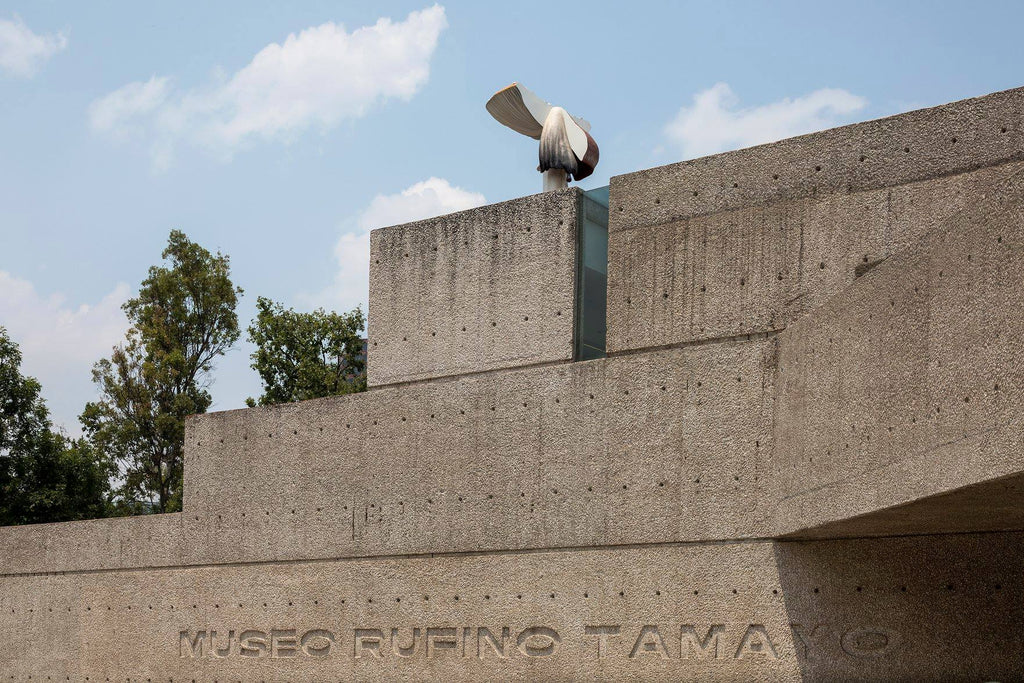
817 169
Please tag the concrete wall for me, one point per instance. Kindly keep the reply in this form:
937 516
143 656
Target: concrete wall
491 287
751 240
668 446
904 608
798 364
908 384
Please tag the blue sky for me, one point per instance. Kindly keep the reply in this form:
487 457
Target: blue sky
122 121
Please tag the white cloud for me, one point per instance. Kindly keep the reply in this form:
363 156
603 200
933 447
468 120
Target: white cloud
426 199
314 79
715 122
22 52
60 342
120 110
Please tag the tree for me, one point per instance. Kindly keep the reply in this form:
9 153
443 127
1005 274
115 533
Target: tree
306 355
44 476
181 321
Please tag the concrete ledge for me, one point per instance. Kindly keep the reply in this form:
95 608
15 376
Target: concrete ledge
492 287
95 544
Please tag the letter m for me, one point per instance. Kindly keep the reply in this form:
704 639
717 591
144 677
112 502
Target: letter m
191 647
701 647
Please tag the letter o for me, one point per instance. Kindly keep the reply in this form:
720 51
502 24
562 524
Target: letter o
869 641
548 638
309 647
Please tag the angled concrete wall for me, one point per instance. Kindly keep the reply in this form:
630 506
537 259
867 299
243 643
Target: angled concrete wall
908 385
749 241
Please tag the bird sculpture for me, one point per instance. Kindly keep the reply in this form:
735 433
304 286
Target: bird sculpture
567 152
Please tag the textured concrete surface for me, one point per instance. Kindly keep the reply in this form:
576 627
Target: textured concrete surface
993 505
801 462
908 385
491 287
760 268
807 215
918 145
668 446
889 609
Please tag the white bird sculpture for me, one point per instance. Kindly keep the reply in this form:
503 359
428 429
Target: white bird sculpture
567 152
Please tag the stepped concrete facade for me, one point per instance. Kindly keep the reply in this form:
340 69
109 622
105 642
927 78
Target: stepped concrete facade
800 459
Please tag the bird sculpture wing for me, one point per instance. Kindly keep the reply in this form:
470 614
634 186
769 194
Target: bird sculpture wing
524 112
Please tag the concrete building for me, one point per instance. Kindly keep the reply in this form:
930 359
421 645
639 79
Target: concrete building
800 458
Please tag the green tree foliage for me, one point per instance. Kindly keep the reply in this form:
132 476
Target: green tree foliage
183 318
306 355
44 476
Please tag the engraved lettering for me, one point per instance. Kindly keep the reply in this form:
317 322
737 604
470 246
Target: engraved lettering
808 640
701 648
484 635
195 645
602 633
756 642
283 643
649 641
408 650
253 644
368 640
538 641
441 639
221 651
869 641
317 642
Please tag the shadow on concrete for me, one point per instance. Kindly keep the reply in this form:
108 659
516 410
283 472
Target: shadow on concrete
942 607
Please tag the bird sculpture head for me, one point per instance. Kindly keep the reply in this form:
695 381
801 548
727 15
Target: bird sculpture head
567 152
